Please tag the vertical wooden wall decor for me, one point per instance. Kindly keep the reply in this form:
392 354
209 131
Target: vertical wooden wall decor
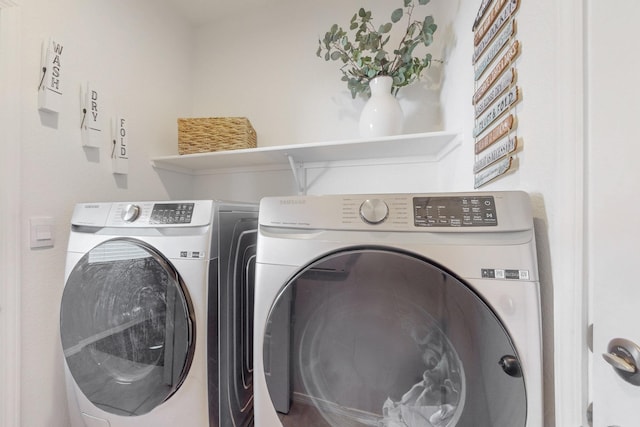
496 91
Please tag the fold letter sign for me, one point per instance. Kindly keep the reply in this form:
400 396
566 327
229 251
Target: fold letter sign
120 150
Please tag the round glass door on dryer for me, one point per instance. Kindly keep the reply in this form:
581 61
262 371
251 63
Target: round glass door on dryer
379 337
127 327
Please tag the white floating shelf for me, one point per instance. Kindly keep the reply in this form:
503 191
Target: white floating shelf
411 148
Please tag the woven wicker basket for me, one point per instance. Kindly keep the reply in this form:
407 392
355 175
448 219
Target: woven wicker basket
201 135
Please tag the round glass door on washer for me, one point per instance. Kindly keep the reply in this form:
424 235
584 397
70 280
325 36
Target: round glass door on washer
397 310
127 327
156 314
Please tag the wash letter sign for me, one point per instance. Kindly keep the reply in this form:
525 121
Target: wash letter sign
51 81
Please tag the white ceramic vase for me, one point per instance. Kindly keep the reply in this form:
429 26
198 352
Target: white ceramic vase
381 115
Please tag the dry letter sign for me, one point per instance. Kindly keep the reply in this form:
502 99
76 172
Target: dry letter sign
91 124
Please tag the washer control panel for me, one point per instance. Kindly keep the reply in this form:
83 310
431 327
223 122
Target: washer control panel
171 213
188 213
130 213
456 211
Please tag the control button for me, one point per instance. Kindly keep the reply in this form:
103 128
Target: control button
130 213
374 211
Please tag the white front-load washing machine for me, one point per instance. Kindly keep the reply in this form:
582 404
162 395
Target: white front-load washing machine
156 314
397 310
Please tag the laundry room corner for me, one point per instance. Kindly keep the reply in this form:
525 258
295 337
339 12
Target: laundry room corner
150 65
549 165
121 50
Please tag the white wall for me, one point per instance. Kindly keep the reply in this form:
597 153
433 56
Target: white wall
138 56
263 65
9 214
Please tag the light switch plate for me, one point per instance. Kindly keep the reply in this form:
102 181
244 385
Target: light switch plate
41 232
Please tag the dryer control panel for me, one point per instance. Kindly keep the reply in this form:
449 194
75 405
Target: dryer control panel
437 212
457 211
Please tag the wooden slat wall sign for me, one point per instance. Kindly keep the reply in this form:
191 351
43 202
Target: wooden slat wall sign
495 49
496 92
499 150
502 105
496 133
493 14
493 172
483 9
497 71
503 84
500 21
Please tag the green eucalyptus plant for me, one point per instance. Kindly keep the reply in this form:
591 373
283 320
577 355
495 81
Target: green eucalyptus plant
367 56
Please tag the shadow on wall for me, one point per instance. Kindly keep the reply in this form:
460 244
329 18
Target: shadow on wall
421 101
242 185
178 185
48 119
546 297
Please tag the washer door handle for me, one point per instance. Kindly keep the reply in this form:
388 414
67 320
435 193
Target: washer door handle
624 356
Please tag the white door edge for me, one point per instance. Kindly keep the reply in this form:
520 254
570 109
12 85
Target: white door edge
570 297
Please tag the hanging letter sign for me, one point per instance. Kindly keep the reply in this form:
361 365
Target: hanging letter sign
499 22
483 9
120 149
495 53
91 124
50 88
499 150
503 104
492 172
496 133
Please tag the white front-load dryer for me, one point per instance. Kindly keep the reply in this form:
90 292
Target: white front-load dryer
156 314
397 310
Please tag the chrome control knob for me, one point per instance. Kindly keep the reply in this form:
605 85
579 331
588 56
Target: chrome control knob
374 211
130 213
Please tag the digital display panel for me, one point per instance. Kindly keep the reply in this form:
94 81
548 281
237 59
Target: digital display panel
459 211
172 213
